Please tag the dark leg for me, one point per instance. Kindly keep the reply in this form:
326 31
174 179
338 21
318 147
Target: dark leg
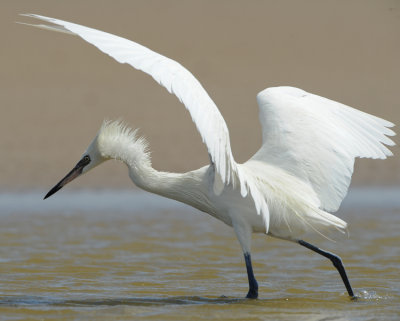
253 286
337 262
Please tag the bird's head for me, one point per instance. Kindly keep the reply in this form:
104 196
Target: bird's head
112 142
91 158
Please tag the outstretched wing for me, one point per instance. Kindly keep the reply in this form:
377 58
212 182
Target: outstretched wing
317 139
180 82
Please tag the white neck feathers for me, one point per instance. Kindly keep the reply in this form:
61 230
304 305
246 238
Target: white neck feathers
116 141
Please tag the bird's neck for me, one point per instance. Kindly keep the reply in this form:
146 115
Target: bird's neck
189 188
163 183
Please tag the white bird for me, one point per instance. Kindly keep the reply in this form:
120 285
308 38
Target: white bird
301 172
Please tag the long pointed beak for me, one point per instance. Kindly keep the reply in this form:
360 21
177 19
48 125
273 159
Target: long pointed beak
74 173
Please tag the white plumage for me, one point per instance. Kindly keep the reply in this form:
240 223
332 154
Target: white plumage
301 172
317 139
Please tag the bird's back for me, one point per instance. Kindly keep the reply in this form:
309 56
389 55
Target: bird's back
294 207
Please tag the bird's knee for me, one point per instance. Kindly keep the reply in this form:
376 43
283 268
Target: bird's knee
336 261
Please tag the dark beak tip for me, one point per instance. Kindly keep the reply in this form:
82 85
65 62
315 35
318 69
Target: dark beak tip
53 190
75 172
47 196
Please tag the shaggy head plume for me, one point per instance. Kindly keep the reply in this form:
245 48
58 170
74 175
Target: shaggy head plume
115 140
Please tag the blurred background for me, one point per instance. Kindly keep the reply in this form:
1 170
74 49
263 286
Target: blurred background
56 89
107 253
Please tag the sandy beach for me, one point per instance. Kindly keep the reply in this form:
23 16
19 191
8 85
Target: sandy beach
56 89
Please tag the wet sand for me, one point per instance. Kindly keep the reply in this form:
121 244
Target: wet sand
56 89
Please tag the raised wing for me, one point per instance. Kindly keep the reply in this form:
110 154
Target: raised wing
180 82
317 139
171 75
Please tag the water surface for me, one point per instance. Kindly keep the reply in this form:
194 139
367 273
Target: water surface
120 255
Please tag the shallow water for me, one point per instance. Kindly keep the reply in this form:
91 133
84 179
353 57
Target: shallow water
120 255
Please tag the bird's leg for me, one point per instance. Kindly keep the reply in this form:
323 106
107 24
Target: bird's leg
253 285
243 232
337 263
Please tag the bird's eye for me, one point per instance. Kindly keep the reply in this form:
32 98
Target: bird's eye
86 158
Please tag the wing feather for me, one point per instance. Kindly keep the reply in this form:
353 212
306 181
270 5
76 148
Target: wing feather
180 82
317 139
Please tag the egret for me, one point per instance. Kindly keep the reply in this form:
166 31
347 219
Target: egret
291 185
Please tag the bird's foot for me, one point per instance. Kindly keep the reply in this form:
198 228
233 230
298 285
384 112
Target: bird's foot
252 294
354 297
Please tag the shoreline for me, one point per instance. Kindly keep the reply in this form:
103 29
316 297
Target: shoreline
135 200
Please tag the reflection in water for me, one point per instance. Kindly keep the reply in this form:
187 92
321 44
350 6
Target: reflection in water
105 256
35 301
362 296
